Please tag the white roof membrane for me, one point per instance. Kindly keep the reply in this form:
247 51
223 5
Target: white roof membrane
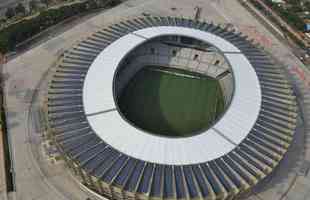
175 151
220 139
98 85
210 38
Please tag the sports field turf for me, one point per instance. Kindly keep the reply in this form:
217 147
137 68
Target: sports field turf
171 102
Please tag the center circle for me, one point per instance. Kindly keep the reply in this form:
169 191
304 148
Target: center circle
173 86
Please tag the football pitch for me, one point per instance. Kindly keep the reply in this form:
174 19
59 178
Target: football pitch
171 102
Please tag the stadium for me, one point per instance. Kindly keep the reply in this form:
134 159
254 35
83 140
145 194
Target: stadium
170 108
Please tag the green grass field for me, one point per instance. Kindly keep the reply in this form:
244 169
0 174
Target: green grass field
171 102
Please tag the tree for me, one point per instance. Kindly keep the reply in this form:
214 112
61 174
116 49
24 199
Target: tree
18 32
20 9
307 6
4 44
46 2
91 4
10 13
113 3
33 5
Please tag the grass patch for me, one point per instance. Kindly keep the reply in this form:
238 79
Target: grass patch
171 102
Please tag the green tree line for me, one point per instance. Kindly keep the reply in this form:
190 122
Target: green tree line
25 29
290 13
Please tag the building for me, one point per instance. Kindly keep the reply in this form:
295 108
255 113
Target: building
114 158
279 1
307 25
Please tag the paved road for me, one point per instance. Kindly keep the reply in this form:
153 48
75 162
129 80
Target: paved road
4 4
8 3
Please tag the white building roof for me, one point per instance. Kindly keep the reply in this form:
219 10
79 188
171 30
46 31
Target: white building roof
215 142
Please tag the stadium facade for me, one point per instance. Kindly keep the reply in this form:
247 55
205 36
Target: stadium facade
120 161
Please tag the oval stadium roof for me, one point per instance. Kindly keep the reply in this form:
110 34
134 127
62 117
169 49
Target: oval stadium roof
243 147
222 138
